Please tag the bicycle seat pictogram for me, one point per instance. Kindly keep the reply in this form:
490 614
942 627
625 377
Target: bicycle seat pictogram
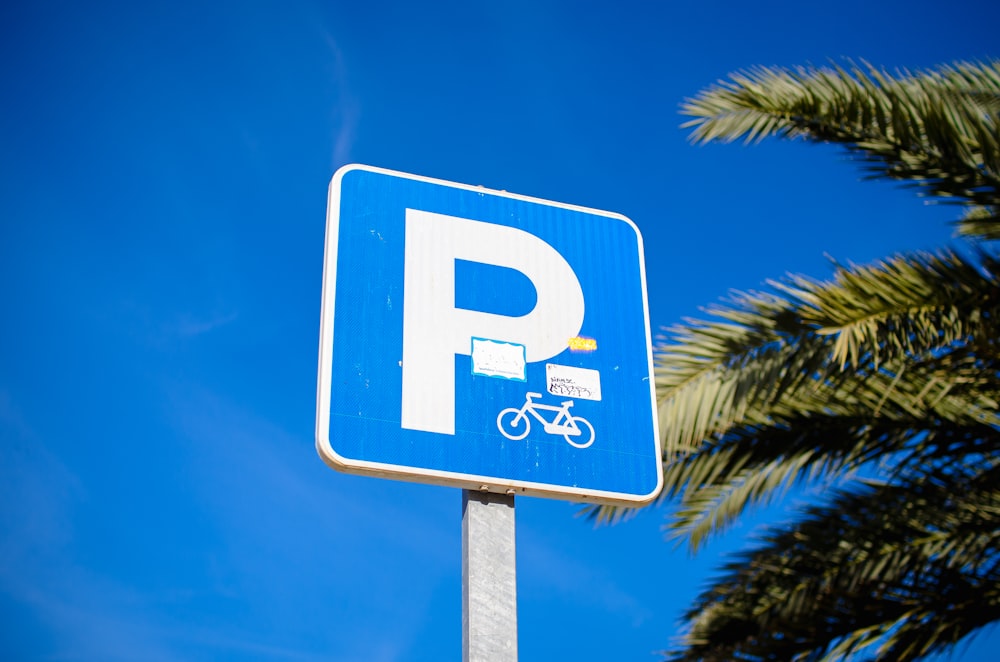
515 423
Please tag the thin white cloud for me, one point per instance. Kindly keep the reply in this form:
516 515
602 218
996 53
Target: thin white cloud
91 618
343 541
88 617
160 327
190 326
11 419
36 493
346 114
82 613
582 582
286 470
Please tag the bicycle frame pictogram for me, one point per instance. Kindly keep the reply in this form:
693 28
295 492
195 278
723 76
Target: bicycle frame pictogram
576 430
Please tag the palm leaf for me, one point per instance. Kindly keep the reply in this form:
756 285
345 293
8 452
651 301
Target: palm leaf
874 567
768 390
938 130
891 369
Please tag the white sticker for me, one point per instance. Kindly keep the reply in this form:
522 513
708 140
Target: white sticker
498 359
573 382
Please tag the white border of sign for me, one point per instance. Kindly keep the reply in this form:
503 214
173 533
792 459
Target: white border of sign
447 478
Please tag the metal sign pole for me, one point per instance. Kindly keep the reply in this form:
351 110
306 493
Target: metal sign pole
489 590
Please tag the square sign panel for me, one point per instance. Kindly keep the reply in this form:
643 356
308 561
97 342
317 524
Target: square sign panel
484 340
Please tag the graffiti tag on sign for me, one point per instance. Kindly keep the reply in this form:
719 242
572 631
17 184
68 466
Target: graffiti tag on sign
573 382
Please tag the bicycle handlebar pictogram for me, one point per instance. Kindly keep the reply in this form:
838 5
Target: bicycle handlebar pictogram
576 430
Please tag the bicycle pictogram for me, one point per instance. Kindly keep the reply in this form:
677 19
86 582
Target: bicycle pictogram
576 430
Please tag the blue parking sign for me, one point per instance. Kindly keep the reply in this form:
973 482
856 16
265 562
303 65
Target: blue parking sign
485 340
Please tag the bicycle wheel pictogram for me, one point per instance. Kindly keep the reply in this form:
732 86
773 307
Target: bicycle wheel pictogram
584 436
515 421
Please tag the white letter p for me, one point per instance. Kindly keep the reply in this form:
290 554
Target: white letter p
435 331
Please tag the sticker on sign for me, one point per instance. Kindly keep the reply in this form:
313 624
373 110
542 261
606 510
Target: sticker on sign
574 382
498 359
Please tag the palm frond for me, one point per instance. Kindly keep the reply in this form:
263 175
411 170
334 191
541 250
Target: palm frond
768 388
938 129
904 567
755 464
892 369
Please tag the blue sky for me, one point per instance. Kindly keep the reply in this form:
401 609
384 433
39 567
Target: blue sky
163 175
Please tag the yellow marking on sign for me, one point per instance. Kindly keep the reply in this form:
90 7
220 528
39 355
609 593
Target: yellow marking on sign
582 344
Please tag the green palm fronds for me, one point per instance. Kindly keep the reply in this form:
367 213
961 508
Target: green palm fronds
908 569
938 129
823 378
889 370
